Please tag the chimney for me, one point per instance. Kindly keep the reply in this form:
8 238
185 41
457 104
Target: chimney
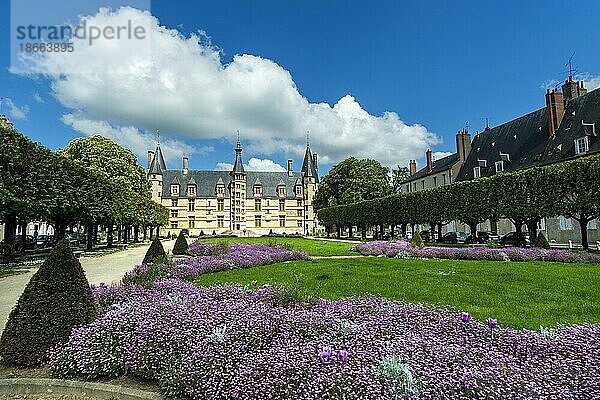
290 167
429 161
185 165
572 89
150 157
413 167
315 161
555 108
463 145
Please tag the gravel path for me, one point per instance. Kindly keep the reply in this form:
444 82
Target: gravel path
108 268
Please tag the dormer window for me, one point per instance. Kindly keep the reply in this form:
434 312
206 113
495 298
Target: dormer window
220 189
476 172
257 190
191 190
298 190
505 157
499 166
590 129
482 163
175 190
281 191
581 145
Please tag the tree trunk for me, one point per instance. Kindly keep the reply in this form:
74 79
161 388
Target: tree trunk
403 227
473 236
381 231
158 231
126 234
145 233
89 229
119 233
95 230
136 233
432 231
518 230
23 236
109 235
392 231
9 236
350 234
583 223
439 232
363 232
532 227
339 231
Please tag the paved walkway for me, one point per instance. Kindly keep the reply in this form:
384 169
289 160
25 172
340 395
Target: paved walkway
108 268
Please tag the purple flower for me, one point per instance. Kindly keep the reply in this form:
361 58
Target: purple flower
492 323
342 355
254 282
465 316
325 354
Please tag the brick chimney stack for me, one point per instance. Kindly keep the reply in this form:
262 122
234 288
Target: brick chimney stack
555 108
572 89
429 161
463 145
185 165
290 168
413 167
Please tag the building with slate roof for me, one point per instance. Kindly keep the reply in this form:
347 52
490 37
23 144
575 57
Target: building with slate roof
238 201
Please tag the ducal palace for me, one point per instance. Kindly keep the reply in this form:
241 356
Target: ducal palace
247 203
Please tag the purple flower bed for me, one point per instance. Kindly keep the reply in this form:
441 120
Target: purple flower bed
231 342
213 258
403 249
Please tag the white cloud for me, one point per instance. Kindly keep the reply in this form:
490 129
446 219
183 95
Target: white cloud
14 111
137 141
591 81
254 164
37 97
180 85
437 155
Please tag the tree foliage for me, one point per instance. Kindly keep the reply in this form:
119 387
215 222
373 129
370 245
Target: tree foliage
352 180
571 188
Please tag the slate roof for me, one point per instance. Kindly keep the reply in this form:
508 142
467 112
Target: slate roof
206 182
157 165
309 169
527 142
441 165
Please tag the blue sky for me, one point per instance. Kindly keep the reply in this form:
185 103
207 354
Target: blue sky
436 65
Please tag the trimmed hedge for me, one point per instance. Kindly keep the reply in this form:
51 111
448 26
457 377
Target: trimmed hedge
542 242
417 241
155 252
181 245
56 300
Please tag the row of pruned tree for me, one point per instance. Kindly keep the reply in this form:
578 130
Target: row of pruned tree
570 188
91 182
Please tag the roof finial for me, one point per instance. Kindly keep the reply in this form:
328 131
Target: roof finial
307 138
158 137
238 144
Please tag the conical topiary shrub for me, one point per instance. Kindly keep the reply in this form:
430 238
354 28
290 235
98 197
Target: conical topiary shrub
56 299
542 242
155 252
181 245
417 241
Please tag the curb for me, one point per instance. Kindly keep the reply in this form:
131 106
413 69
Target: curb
19 386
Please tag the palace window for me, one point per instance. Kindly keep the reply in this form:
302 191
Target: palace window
257 221
581 145
191 204
300 224
191 190
173 202
299 213
299 203
174 225
174 213
175 190
282 221
476 172
257 205
443 179
298 190
499 166
281 190
565 224
592 224
220 189
192 222
220 204
435 181
281 205
257 190
220 221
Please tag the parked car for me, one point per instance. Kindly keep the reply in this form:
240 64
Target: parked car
484 237
426 236
510 239
29 242
44 241
72 238
454 237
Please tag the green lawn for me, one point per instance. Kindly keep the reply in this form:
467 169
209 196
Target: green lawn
520 295
310 246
